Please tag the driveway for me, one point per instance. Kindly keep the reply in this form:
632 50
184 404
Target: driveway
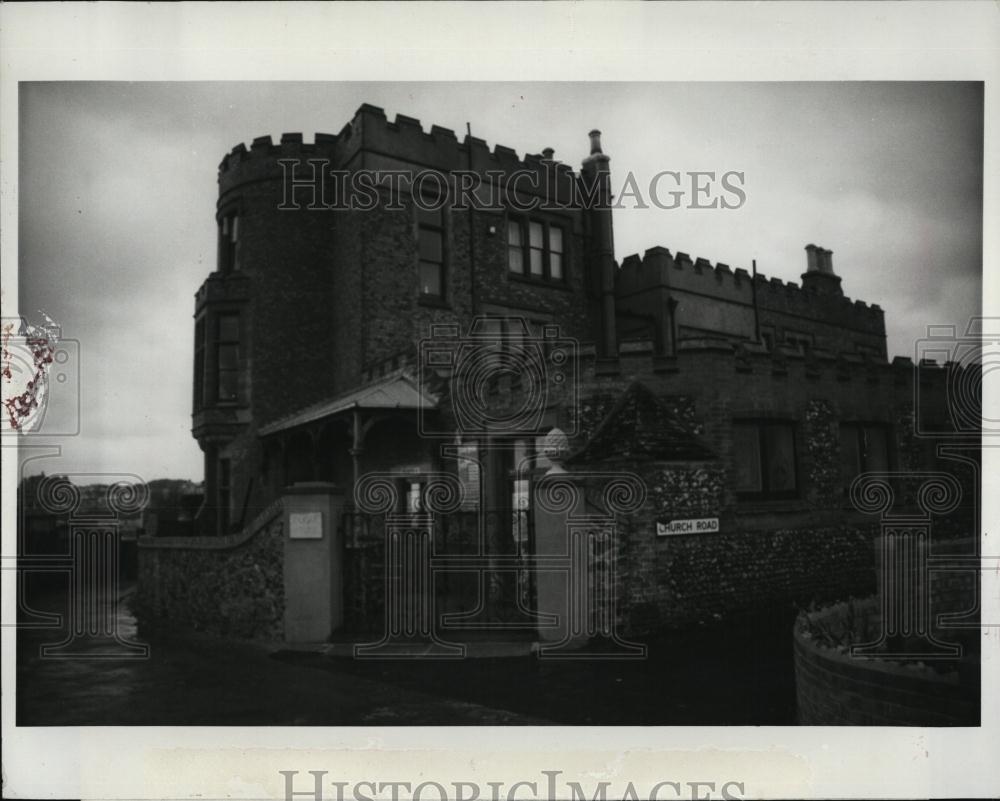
737 675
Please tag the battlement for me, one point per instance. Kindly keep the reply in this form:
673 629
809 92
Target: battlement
657 268
222 287
640 356
391 145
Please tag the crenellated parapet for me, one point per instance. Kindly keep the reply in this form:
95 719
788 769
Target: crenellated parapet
714 357
657 268
222 288
371 141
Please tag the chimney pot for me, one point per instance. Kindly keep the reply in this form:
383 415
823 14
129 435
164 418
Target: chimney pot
548 153
595 142
826 261
812 259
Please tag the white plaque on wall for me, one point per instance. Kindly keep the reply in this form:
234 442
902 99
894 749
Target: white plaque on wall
305 526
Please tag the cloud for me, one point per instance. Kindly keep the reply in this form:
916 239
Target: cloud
118 190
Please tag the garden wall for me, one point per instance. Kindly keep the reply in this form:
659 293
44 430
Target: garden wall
229 586
833 687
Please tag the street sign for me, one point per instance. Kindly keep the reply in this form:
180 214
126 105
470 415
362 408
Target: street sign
702 525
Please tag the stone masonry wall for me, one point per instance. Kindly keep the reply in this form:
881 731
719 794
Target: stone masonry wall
231 586
676 581
814 547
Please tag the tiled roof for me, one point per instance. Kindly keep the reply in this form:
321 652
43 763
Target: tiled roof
396 391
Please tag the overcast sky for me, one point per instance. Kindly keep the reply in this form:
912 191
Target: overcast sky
118 188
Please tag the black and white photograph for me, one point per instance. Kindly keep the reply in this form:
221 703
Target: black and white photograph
438 407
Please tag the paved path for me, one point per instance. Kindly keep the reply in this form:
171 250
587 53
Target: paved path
204 681
739 675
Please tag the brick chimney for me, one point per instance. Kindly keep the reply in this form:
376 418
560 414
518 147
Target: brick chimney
819 276
596 175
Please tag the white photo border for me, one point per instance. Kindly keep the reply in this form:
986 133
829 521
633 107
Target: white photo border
532 41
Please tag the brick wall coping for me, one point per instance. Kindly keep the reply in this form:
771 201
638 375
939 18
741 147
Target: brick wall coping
227 542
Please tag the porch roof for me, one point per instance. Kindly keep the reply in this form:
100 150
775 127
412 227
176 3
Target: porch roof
395 391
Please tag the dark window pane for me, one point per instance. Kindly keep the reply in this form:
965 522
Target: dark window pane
229 357
850 453
434 218
229 328
199 377
780 447
228 384
746 456
199 363
430 245
514 335
876 449
488 354
430 278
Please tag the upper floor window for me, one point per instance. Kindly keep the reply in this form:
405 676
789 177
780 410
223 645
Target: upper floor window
764 456
767 336
430 245
227 352
535 249
199 363
229 235
799 340
510 349
864 448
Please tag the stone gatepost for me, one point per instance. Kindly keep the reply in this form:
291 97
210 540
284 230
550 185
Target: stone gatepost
576 552
314 561
553 505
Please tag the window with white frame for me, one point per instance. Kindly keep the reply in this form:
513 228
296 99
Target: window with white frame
536 249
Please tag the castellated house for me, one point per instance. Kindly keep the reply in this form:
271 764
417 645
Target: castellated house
391 383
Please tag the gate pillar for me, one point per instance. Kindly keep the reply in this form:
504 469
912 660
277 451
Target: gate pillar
314 561
576 545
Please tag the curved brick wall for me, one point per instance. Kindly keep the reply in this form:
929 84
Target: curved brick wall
834 688
231 586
